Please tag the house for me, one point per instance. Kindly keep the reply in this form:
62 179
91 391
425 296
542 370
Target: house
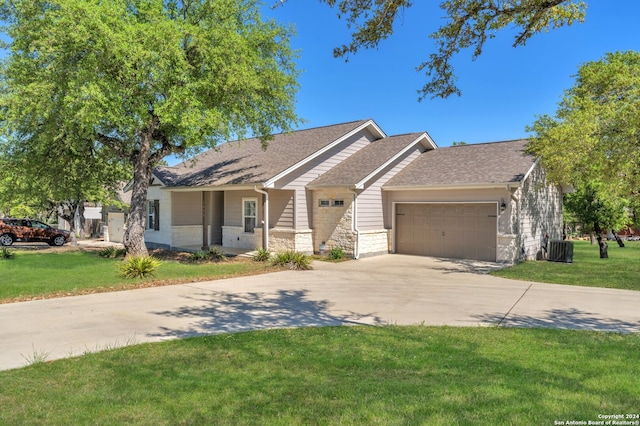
115 215
105 220
350 185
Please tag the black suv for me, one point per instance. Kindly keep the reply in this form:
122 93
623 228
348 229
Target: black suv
28 230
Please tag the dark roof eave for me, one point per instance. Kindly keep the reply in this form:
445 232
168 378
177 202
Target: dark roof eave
228 187
351 185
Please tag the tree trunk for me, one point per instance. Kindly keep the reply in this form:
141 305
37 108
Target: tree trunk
604 247
134 234
70 218
619 241
81 220
604 254
142 171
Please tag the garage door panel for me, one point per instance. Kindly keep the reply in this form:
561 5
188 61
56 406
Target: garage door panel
457 230
454 236
469 222
450 222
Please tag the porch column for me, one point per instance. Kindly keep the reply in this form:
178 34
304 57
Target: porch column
205 221
265 222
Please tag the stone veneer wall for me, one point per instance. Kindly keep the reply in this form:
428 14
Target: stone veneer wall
373 243
507 250
333 225
290 239
304 241
282 240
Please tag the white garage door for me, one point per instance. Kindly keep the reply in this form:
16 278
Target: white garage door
461 231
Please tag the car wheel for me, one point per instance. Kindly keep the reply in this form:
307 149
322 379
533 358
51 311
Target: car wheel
59 240
6 239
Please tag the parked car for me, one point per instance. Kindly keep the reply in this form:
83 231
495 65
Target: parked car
28 230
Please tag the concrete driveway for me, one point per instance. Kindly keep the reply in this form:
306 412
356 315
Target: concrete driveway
390 289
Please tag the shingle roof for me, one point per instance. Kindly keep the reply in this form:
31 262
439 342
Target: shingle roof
474 164
245 162
359 165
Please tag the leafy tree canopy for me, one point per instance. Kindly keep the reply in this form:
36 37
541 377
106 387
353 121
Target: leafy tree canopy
593 141
596 209
594 136
137 80
469 24
47 177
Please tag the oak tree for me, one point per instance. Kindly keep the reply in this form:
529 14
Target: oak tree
138 80
593 140
43 177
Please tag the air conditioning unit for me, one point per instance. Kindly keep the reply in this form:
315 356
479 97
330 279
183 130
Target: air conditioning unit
560 251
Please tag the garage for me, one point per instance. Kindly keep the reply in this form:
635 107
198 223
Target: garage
451 230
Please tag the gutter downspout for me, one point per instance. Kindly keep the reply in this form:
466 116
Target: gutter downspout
265 222
354 224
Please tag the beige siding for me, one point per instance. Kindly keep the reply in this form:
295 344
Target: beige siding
443 196
216 218
186 208
316 168
371 211
233 206
281 209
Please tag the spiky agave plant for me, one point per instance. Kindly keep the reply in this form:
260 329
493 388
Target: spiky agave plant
139 267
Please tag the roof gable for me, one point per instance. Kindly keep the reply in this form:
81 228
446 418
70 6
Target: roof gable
246 163
467 165
359 167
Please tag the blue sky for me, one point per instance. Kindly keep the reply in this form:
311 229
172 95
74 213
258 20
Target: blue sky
502 91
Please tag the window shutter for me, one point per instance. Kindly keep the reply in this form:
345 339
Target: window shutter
156 211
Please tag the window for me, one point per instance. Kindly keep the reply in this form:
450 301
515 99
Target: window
249 213
334 203
153 215
36 224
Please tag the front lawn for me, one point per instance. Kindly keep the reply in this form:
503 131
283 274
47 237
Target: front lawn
338 375
44 273
620 270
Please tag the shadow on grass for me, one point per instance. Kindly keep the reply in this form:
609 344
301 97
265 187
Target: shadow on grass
571 319
229 313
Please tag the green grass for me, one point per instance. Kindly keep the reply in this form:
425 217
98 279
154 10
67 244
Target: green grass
34 274
620 270
337 375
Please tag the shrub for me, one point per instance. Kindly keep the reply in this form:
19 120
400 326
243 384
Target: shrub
262 255
139 267
292 260
112 252
216 254
5 253
213 253
336 253
199 256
